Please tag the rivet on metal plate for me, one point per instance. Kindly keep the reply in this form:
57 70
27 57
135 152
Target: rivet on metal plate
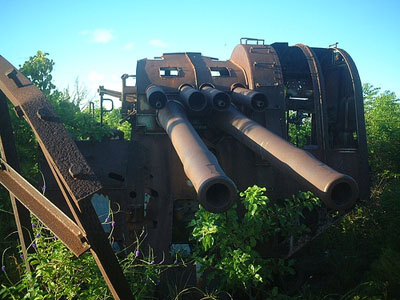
75 171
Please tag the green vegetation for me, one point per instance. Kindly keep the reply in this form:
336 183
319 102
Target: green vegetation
358 257
60 275
299 128
382 120
228 246
361 252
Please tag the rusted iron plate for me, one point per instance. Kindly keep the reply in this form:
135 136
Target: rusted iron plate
319 94
86 218
261 64
62 226
361 132
168 72
76 180
102 252
54 140
264 74
8 152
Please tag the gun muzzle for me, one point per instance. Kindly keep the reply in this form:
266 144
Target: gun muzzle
216 192
156 97
338 191
252 99
193 99
219 100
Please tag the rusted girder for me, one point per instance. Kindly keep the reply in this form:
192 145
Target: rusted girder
76 180
55 141
8 153
62 226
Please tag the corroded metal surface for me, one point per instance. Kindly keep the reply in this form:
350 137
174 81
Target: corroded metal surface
73 175
311 93
279 93
216 192
50 132
319 93
336 190
8 153
62 226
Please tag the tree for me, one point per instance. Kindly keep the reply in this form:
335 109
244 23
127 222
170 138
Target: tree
81 125
382 118
38 69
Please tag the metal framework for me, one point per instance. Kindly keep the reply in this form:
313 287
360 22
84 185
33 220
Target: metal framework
73 175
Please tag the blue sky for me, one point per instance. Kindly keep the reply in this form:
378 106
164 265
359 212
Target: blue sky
98 41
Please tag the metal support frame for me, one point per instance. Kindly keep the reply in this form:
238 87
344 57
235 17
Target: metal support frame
8 153
76 180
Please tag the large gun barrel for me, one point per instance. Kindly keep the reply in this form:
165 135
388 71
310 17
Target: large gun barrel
216 192
219 100
156 97
193 99
336 190
255 100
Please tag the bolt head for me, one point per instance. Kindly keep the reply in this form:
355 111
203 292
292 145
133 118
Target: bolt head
75 171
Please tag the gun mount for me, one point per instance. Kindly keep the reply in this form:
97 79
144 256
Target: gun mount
286 117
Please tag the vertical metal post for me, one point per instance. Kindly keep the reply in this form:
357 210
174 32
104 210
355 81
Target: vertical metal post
101 110
9 154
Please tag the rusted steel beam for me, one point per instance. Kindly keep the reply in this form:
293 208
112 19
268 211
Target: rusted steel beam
319 94
57 144
8 152
215 190
62 226
360 118
74 176
336 190
102 91
103 254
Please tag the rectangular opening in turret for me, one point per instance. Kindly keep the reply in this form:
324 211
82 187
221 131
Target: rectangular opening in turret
220 72
169 72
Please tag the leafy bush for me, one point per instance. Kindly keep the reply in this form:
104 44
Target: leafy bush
226 245
382 118
58 274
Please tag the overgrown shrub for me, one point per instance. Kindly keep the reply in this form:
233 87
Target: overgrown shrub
58 274
226 245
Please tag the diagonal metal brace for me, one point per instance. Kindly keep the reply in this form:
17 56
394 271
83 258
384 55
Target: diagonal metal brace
56 143
49 214
76 180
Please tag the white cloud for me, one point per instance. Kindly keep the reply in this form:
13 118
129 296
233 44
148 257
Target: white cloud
129 46
158 43
102 36
95 77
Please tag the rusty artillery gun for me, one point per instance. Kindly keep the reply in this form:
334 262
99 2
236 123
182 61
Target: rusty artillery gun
202 129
